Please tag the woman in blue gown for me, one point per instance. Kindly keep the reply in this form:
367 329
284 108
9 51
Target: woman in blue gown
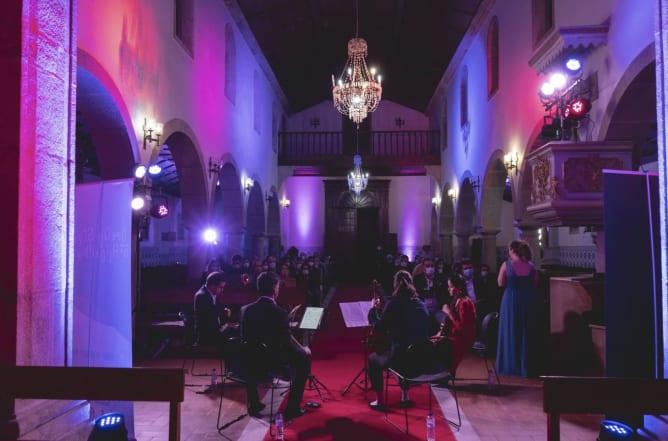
519 312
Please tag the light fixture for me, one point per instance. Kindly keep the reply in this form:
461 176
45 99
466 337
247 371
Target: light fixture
357 178
358 90
214 167
160 209
285 202
210 236
436 200
154 169
150 129
475 183
511 161
614 430
566 99
109 427
452 194
248 184
140 171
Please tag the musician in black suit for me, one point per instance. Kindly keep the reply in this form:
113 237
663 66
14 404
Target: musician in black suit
264 322
209 314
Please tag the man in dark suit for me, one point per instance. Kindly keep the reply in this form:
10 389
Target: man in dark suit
264 322
209 315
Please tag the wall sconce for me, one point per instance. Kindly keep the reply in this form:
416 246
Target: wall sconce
285 202
475 183
150 129
436 200
214 168
511 161
452 194
248 184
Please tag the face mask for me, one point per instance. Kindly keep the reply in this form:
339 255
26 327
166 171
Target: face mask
484 273
272 265
429 271
305 272
468 273
264 267
403 264
311 263
246 264
440 270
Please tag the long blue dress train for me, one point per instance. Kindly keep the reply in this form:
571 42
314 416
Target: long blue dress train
517 320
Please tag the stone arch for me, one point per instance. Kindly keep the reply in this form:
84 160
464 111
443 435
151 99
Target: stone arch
447 224
255 243
228 208
102 114
639 64
491 206
193 190
273 222
465 221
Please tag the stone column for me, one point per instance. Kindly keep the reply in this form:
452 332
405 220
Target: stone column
462 246
529 233
489 249
37 123
446 248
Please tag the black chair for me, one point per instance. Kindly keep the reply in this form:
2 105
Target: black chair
195 350
485 348
421 364
259 365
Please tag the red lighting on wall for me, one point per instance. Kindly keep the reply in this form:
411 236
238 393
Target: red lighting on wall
160 210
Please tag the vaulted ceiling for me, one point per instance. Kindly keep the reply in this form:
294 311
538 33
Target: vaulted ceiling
410 42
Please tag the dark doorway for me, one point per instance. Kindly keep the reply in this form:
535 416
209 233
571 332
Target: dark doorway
367 241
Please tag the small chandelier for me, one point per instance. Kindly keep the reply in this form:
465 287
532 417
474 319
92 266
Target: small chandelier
358 90
357 179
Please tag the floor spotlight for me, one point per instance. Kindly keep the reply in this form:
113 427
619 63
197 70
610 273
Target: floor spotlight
612 430
109 427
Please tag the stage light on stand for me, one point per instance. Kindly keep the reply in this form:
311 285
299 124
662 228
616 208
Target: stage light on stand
154 169
138 202
573 64
210 236
140 171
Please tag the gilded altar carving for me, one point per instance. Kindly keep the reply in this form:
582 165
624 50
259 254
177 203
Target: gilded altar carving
585 174
543 186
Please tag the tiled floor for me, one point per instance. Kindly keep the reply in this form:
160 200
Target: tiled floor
511 411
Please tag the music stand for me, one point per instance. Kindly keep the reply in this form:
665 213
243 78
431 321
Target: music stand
355 316
311 322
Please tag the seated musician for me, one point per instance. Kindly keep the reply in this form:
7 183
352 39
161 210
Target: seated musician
263 321
210 315
405 320
458 325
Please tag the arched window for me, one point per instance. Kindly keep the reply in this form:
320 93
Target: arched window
230 65
444 125
493 57
542 14
464 97
256 101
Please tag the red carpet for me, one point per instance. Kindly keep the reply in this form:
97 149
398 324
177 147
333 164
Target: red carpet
337 358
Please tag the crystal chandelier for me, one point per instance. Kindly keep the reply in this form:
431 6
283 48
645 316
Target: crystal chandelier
358 90
357 179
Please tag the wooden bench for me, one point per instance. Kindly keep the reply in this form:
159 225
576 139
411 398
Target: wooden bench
601 395
103 384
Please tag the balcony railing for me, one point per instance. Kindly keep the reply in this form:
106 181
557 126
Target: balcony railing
391 148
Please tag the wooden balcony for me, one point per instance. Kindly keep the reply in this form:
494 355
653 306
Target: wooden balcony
383 153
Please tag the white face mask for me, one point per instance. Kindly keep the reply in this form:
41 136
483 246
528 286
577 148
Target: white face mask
468 273
429 271
403 264
305 272
484 273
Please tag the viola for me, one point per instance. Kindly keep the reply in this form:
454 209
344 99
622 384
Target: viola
378 341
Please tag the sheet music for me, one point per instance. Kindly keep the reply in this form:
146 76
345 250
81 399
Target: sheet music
312 317
355 314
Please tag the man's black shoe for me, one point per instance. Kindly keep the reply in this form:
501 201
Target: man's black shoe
294 413
255 409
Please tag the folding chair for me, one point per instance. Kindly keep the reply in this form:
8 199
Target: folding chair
420 365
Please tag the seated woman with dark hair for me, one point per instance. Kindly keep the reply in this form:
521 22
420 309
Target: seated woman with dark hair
405 320
458 325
